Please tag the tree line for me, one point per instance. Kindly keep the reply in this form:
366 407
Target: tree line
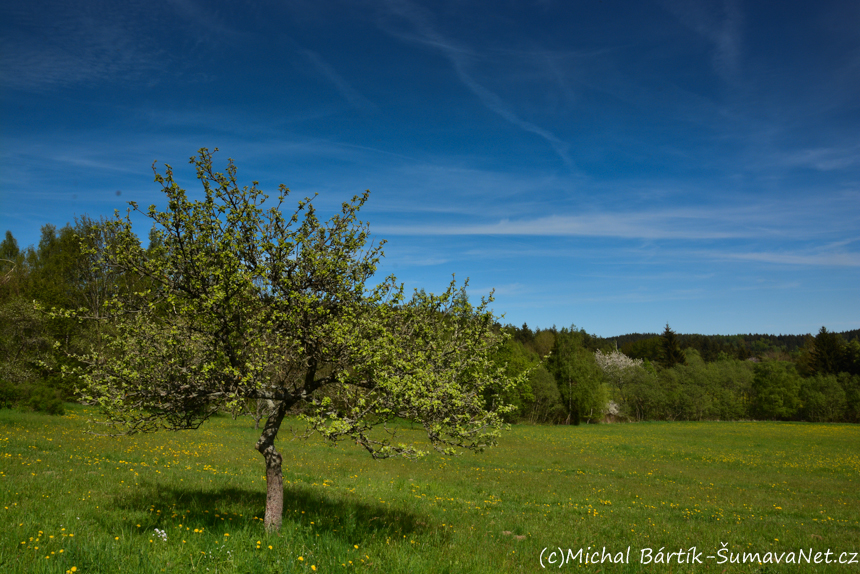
680 376
56 273
578 377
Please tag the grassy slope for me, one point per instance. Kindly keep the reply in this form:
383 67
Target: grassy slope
69 499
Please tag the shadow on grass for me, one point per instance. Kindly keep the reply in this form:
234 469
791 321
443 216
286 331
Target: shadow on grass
234 509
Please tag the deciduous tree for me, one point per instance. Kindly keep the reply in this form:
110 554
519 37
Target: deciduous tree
616 366
776 390
578 377
237 301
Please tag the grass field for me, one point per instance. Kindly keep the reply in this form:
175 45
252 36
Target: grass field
72 502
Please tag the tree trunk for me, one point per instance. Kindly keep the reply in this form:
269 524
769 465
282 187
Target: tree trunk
274 475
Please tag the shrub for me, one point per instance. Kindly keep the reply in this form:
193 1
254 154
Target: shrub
46 400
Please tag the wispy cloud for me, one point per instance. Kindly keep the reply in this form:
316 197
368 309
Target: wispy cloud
59 44
86 161
205 18
496 104
781 222
670 224
822 159
720 25
343 87
85 48
460 57
834 259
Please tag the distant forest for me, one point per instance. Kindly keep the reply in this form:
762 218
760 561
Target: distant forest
642 345
570 376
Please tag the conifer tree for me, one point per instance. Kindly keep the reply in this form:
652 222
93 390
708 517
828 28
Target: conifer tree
670 349
827 353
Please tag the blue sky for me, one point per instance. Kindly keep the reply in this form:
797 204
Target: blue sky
613 165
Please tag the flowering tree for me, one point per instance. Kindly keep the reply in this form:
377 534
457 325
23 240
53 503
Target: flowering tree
617 366
233 302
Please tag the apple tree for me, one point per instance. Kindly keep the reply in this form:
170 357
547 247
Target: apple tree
236 301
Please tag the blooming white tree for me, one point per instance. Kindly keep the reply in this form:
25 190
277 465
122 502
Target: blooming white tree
616 366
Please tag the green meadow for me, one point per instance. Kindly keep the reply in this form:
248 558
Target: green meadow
193 501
